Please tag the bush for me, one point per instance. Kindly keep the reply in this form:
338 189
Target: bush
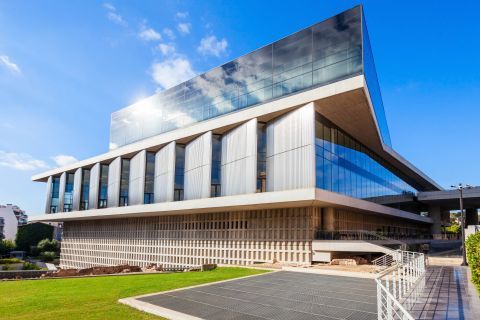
472 246
30 266
48 245
10 261
6 246
48 256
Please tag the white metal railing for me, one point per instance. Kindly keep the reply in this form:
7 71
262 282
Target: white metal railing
396 284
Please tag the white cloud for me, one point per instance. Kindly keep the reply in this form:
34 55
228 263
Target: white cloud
63 160
210 45
182 14
113 15
149 34
20 161
171 72
184 28
169 33
166 48
9 65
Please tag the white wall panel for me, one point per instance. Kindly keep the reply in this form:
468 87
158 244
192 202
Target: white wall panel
77 189
48 202
164 173
114 171
198 167
239 159
94 186
136 185
291 150
61 192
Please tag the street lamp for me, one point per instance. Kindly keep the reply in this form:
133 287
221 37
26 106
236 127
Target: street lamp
460 187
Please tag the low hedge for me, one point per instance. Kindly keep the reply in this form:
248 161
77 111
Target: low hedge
472 245
10 261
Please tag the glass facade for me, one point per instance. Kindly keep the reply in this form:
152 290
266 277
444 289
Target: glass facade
103 186
261 157
216 166
179 172
345 166
326 52
124 182
68 196
84 193
54 196
149 178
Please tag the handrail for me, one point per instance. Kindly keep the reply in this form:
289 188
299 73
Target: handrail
395 285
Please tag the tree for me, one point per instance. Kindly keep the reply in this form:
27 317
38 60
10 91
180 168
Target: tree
48 245
30 234
6 246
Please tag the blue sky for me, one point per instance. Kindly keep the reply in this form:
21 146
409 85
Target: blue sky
65 66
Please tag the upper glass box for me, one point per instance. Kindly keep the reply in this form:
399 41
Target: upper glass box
329 51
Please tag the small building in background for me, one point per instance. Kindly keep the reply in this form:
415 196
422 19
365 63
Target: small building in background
10 222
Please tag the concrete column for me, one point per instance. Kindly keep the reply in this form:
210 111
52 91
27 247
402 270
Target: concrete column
114 178
471 216
164 181
77 189
136 186
436 215
94 186
61 192
328 219
49 195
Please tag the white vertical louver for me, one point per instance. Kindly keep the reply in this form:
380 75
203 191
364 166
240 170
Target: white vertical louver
136 182
49 195
291 150
77 189
114 172
164 173
94 186
61 192
239 159
198 167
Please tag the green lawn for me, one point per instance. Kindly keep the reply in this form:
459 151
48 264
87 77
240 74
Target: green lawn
96 298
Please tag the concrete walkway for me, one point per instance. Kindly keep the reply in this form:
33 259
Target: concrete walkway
445 293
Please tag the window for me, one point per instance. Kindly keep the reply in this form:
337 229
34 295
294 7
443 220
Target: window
216 165
261 157
55 194
84 193
124 182
68 196
149 178
103 186
179 172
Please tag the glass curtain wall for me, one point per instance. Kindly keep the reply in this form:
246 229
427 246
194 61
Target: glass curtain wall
68 196
103 186
84 193
124 182
54 196
216 165
149 178
345 166
179 172
261 157
323 53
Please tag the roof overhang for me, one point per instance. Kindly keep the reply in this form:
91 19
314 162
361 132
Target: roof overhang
345 102
266 200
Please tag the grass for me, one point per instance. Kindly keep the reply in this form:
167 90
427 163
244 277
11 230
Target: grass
96 298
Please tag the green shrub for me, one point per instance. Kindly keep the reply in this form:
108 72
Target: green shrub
6 246
10 261
30 234
48 256
48 245
472 246
30 266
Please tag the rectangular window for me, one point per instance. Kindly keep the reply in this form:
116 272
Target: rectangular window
68 196
149 178
103 186
55 194
84 194
261 157
124 182
179 172
216 165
